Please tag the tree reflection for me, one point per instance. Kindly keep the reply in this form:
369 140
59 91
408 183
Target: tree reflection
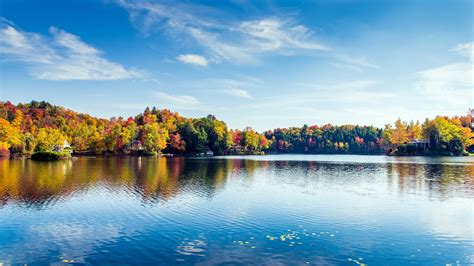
439 180
40 184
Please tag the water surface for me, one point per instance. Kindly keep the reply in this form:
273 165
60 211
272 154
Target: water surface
281 209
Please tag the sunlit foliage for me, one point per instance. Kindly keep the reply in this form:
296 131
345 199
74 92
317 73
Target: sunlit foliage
40 126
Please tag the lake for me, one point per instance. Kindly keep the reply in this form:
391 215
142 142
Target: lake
266 210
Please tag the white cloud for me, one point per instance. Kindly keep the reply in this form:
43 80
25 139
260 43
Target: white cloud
465 49
239 42
272 34
177 101
22 46
237 92
235 87
318 103
451 84
193 59
221 49
353 63
63 56
354 84
447 76
343 94
14 38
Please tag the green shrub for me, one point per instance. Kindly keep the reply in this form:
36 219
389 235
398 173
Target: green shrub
49 155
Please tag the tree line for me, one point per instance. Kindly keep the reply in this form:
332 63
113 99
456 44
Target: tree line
41 126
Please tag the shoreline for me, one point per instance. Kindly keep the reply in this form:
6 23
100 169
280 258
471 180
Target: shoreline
76 156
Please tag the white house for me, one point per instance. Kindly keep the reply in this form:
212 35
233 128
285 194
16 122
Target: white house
63 147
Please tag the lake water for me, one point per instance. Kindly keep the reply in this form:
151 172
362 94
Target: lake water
266 210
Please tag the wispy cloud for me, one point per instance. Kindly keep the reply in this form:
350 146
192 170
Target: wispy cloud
354 92
177 101
238 81
353 63
449 84
62 56
237 41
237 87
193 59
221 49
273 33
343 102
465 49
237 92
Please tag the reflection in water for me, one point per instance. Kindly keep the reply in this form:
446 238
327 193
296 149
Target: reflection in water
238 210
40 184
439 180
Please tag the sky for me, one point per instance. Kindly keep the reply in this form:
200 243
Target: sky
263 64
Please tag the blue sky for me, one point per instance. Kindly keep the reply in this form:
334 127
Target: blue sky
263 64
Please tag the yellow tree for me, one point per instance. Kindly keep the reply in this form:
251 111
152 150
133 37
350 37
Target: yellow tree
414 130
47 138
4 141
399 134
251 139
9 134
80 136
155 137
387 133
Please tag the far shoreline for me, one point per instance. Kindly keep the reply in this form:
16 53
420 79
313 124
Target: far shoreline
187 156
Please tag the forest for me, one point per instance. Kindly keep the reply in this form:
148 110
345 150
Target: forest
34 127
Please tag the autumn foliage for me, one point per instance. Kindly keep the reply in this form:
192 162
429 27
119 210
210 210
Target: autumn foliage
40 126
